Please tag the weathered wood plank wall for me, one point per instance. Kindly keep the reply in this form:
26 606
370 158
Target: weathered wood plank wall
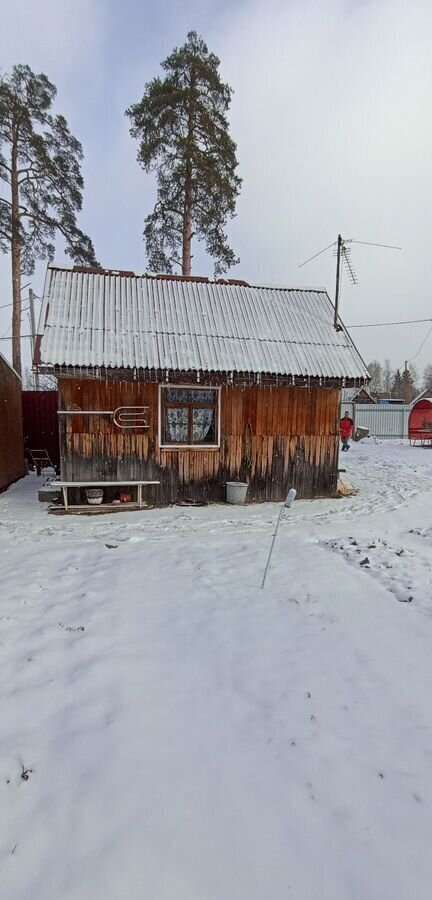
12 464
271 437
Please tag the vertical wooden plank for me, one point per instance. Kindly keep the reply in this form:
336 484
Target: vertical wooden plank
321 414
267 411
293 418
286 410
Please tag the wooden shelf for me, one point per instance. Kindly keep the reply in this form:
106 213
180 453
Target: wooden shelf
103 505
93 510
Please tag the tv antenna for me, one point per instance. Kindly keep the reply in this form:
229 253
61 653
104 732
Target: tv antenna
342 252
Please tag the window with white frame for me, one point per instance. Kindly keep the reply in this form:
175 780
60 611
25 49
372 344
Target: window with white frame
189 416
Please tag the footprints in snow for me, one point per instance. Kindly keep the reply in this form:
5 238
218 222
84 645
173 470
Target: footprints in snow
391 566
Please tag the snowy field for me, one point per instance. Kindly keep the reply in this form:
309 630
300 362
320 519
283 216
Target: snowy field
169 731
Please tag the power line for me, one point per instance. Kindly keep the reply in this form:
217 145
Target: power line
349 241
406 361
382 324
371 244
22 336
421 346
5 305
3 336
317 254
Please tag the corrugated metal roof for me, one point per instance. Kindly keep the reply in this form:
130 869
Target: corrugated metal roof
119 320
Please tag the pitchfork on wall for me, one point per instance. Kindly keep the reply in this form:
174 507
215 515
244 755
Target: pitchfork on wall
124 416
131 417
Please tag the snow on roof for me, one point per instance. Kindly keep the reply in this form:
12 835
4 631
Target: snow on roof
421 400
349 394
425 395
105 318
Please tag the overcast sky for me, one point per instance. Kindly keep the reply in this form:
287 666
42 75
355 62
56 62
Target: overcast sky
332 116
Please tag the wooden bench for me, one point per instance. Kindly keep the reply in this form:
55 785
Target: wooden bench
65 485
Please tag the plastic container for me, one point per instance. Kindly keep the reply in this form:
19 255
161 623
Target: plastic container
360 433
236 491
94 496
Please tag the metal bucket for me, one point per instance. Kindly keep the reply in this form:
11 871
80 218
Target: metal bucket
236 491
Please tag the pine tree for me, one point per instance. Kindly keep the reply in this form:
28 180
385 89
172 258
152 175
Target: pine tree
42 182
427 377
408 386
397 385
183 132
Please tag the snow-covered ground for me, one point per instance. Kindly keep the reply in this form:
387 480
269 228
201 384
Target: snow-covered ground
170 731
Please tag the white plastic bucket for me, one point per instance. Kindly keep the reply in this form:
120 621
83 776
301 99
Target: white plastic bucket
236 491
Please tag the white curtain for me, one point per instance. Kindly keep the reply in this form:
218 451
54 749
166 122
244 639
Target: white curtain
202 422
177 425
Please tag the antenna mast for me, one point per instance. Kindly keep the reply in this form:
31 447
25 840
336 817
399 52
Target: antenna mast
343 255
337 291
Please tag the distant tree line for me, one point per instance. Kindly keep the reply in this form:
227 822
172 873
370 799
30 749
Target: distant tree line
401 383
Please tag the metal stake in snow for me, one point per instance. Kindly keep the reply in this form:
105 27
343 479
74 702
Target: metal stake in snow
292 493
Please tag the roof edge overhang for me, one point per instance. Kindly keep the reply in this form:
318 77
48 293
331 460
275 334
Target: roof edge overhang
192 376
151 276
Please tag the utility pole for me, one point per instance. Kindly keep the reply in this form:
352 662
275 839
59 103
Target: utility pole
343 253
33 335
338 265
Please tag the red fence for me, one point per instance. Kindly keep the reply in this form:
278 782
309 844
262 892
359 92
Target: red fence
11 426
41 422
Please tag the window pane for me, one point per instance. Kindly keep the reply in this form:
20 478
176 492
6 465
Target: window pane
176 395
176 425
187 395
202 396
203 426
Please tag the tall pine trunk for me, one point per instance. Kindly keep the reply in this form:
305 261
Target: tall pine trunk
188 195
187 223
16 264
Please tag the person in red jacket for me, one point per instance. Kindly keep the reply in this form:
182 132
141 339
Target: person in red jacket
346 426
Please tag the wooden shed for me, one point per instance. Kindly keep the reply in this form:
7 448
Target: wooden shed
12 465
194 382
